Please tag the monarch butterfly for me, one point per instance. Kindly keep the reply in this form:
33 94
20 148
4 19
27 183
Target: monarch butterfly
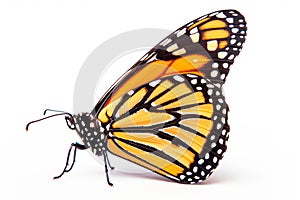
167 113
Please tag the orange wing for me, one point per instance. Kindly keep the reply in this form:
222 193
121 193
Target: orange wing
167 112
206 46
169 126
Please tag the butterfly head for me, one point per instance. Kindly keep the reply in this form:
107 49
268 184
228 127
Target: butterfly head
89 130
87 127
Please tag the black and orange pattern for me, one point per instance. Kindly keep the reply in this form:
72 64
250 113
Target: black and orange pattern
167 113
206 46
167 124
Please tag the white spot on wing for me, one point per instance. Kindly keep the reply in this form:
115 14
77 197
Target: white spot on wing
212 14
219 151
212 45
130 92
215 159
194 30
190 24
222 76
195 37
224 111
182 32
179 52
223 120
207 156
231 57
202 17
201 161
154 83
191 75
210 85
214 73
235 30
222 54
215 65
178 78
194 81
165 42
221 15
229 20
225 65
172 47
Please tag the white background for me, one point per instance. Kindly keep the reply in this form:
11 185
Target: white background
42 47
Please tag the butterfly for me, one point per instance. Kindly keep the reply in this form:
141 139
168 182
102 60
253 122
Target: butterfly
167 113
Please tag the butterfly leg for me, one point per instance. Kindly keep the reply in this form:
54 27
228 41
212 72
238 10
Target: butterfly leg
106 162
110 166
75 146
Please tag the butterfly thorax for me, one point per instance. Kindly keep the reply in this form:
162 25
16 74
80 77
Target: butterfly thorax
91 132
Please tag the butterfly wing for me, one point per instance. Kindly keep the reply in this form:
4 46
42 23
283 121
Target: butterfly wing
175 126
167 112
206 46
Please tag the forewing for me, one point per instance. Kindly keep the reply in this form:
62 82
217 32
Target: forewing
206 47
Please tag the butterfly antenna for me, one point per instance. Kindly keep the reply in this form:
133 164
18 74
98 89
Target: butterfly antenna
51 110
65 113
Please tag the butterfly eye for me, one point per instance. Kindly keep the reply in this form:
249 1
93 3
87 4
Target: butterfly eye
70 122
